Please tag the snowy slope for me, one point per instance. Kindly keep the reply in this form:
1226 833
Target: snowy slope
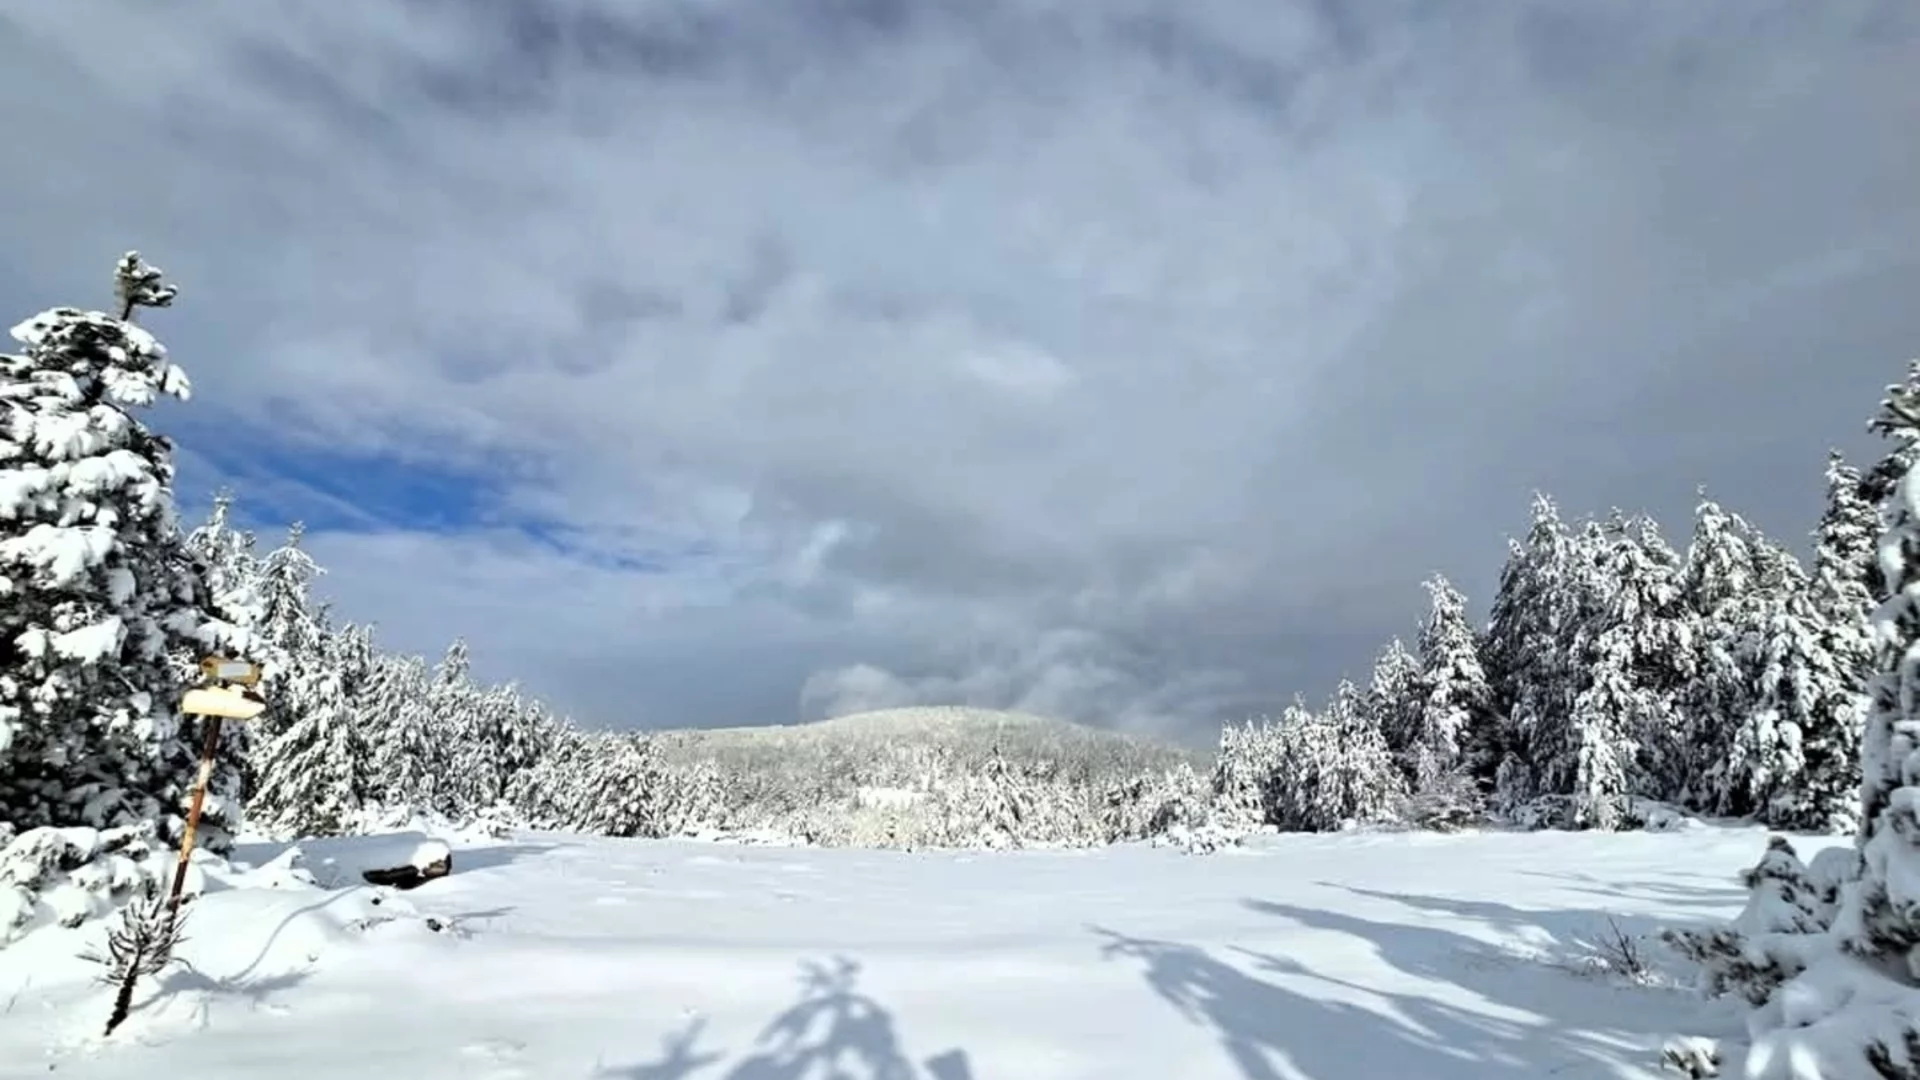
1328 957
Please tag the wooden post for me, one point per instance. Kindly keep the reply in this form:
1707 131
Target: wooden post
209 747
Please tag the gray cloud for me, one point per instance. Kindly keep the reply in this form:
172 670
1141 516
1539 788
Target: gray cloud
1131 361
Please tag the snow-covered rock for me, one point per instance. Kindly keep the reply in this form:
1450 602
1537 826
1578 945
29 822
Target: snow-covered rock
402 859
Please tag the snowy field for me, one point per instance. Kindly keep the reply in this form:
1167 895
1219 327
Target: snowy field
563 958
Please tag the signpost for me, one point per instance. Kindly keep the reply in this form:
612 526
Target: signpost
228 693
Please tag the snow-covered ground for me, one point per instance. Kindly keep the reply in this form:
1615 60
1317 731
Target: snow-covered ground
1322 957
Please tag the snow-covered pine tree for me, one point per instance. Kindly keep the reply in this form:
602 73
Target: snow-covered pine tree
1650 588
314 773
232 572
1841 592
1459 733
1877 485
1360 782
290 618
1243 772
409 753
1794 758
1393 702
1880 917
1529 647
454 707
510 741
1720 576
292 635
1866 1004
101 597
621 795
551 793
1843 549
1630 628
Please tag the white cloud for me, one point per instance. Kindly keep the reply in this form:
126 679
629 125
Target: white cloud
1161 348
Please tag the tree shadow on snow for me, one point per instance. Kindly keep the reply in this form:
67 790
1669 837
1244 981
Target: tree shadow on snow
1714 891
831 1029
1568 931
258 992
1493 1015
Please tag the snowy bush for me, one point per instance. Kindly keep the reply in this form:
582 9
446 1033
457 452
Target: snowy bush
1777 934
67 876
1446 802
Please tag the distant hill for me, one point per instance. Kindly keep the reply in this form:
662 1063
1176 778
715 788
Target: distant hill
875 745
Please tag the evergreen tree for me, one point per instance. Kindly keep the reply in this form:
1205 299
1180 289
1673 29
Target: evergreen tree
409 755
1795 753
1529 648
621 792
313 773
1359 781
290 620
1844 576
1456 724
1628 627
231 569
456 739
1720 586
1394 703
101 601
1879 919
292 650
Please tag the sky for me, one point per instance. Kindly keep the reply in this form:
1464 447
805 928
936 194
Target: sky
710 362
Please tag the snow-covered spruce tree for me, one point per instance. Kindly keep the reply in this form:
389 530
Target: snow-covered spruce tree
314 774
623 791
1393 702
453 704
1359 782
1793 755
1840 595
100 599
1720 574
1877 486
1529 648
1843 555
1855 1009
292 633
1578 750
1881 919
232 572
1307 772
233 569
551 793
1649 594
1458 731
408 752
1244 769
509 739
